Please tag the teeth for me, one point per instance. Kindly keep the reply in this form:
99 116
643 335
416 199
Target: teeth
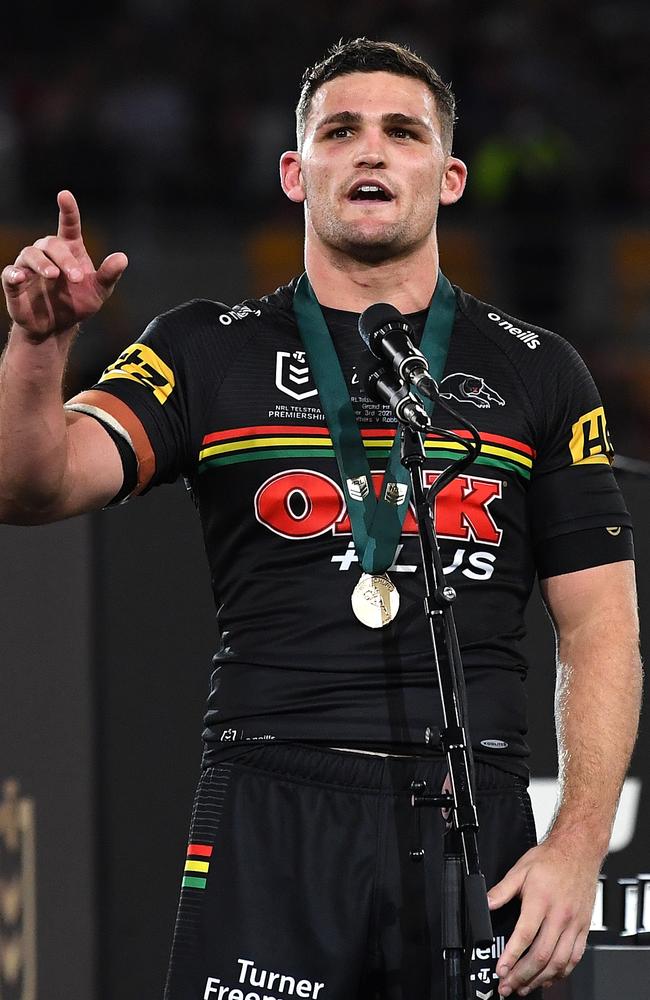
373 189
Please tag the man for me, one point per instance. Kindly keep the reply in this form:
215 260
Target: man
300 876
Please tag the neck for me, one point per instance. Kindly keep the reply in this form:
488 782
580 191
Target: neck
341 282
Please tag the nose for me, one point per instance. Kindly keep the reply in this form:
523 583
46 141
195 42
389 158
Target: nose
374 161
370 151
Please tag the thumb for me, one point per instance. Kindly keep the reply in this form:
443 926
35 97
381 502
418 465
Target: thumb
505 890
111 270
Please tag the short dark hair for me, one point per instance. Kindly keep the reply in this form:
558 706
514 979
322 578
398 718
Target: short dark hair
362 55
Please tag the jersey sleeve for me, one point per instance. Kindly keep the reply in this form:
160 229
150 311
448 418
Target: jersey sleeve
154 395
577 513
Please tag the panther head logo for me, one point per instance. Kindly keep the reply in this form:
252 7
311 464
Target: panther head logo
466 388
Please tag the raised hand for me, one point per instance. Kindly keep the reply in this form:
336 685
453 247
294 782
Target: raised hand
53 284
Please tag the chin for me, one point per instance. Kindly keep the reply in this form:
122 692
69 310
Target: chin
374 248
371 252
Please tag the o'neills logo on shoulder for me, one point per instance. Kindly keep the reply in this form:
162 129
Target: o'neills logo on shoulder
302 503
527 337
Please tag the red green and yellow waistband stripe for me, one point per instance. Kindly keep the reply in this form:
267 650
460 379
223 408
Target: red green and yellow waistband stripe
268 441
197 866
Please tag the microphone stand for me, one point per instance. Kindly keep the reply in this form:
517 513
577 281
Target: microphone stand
465 914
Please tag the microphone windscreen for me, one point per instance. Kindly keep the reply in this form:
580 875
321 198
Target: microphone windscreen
374 318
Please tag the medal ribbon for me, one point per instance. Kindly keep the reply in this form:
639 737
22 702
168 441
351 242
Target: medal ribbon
376 523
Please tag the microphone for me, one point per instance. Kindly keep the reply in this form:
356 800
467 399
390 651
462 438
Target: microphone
387 335
382 384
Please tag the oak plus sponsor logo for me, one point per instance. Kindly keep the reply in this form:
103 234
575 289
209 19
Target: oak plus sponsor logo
473 389
292 375
527 337
256 983
301 503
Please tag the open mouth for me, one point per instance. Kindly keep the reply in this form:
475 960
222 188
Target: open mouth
370 192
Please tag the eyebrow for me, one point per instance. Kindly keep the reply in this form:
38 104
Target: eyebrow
390 118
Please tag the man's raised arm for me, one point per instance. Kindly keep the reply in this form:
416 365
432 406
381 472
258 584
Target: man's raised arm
53 463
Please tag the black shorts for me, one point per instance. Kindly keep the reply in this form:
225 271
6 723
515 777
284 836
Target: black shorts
299 880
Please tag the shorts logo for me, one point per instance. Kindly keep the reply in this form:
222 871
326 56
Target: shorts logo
197 866
292 375
483 966
140 364
470 389
264 981
494 744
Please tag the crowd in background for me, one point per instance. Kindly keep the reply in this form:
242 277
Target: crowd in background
178 110
187 99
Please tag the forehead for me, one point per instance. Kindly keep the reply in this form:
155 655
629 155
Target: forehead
373 95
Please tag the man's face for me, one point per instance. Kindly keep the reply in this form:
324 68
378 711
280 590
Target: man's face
372 171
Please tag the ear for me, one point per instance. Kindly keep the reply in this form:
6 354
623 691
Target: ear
291 176
453 181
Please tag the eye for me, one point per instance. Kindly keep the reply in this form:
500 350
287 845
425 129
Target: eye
402 133
340 132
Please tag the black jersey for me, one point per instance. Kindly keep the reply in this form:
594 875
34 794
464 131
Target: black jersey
225 398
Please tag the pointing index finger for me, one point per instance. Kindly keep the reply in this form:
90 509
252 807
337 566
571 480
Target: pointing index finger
69 217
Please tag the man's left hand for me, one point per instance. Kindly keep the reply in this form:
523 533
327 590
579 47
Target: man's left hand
557 887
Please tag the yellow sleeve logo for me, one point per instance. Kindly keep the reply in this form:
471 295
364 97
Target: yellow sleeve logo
590 443
142 365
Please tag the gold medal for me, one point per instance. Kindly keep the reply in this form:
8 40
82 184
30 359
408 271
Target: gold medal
375 600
